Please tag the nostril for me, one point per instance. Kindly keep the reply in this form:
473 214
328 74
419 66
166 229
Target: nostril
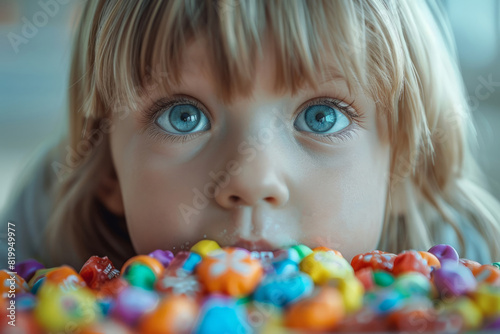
271 200
234 199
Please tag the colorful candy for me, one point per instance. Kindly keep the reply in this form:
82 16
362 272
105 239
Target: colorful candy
323 266
97 271
319 312
27 268
444 252
281 290
222 314
231 271
174 314
411 261
133 302
61 309
376 260
210 289
204 247
163 256
453 279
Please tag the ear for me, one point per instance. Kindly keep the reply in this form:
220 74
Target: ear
110 194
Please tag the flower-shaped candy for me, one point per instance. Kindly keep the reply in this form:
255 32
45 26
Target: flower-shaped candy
230 270
181 284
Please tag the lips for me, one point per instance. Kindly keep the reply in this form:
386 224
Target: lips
255 245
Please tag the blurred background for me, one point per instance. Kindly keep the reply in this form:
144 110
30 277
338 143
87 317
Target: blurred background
34 62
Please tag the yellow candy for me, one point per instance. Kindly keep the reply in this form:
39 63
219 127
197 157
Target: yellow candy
487 297
470 312
204 247
323 266
352 291
60 310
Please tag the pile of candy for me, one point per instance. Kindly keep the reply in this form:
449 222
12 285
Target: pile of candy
210 289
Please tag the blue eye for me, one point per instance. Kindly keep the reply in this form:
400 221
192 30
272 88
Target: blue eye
183 119
322 119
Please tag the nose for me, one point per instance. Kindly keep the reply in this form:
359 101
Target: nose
257 181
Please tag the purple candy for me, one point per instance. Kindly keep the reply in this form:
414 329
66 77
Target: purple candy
444 252
495 324
453 279
27 268
133 302
165 257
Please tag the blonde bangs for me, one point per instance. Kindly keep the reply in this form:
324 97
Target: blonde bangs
140 45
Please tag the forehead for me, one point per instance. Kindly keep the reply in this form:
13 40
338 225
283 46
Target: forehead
197 67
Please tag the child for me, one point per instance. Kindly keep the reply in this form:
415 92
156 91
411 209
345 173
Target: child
259 124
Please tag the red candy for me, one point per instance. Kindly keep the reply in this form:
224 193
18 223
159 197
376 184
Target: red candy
365 276
97 271
410 261
376 260
112 288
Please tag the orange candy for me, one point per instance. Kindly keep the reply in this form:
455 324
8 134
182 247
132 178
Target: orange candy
18 284
320 312
149 261
470 264
326 249
175 314
230 270
66 278
487 273
431 259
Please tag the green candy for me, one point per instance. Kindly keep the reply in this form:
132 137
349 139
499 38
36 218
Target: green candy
243 301
413 284
383 278
496 264
302 250
140 275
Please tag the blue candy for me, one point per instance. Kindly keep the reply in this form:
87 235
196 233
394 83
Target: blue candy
281 290
285 266
221 314
384 300
191 262
25 301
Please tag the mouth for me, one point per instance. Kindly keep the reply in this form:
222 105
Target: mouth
255 245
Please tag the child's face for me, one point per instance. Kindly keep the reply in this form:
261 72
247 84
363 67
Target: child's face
280 182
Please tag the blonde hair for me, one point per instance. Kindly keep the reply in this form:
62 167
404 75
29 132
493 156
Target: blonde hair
390 48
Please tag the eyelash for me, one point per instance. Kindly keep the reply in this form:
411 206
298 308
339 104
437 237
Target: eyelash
347 109
157 134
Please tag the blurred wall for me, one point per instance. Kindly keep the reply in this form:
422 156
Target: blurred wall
34 70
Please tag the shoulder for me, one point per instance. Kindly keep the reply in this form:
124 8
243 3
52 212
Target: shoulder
29 201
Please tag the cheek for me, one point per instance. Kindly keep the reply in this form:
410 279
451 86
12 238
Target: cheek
158 193
155 184
346 211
